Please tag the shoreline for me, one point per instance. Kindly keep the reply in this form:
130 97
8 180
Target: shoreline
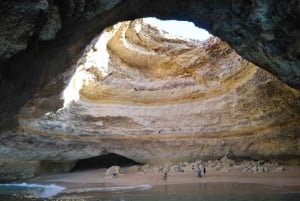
288 179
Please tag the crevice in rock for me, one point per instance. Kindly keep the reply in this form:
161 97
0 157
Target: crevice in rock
103 161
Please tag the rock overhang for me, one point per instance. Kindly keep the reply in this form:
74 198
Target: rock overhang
263 138
158 91
264 32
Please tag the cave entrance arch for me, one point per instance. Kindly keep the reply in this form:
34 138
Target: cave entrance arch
103 161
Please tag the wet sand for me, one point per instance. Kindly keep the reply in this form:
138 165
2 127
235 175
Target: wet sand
288 179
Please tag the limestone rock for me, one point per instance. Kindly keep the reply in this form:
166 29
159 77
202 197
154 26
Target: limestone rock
226 162
217 166
19 22
40 39
112 171
175 168
52 26
158 100
264 32
11 169
134 168
279 169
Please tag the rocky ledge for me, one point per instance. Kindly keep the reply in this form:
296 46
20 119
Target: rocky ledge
223 165
153 99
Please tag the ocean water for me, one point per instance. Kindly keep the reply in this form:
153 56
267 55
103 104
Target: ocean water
29 190
178 192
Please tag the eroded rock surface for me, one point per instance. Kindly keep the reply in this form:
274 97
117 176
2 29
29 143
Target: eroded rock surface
222 165
156 100
265 32
41 39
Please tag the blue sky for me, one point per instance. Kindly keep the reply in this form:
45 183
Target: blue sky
179 28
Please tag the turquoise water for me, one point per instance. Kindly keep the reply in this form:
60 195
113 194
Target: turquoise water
182 192
24 189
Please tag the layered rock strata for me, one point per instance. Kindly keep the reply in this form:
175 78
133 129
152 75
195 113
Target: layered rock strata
265 32
153 99
40 39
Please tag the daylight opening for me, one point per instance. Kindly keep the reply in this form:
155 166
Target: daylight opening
104 161
183 29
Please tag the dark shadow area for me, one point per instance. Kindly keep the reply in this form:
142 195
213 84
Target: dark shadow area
104 161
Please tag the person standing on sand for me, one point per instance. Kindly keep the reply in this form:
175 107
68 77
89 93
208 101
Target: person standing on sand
201 167
114 173
165 175
199 172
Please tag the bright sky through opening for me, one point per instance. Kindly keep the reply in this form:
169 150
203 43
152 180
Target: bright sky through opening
179 28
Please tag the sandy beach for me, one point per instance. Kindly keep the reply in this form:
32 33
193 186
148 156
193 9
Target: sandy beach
288 179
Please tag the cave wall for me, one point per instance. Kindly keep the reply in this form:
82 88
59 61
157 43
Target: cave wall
39 40
265 32
154 100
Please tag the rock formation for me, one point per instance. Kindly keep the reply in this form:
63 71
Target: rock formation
40 39
222 165
265 32
153 99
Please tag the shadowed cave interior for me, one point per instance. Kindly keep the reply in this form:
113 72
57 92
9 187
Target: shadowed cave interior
104 161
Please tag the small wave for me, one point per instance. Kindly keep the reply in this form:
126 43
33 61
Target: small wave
112 188
38 190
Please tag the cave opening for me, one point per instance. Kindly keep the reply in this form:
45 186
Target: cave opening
96 60
183 29
103 161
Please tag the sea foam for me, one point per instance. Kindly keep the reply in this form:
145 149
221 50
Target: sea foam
38 190
112 188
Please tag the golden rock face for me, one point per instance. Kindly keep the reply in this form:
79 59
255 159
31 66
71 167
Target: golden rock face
146 68
156 100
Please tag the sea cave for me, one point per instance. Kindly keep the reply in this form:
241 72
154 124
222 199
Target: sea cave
80 80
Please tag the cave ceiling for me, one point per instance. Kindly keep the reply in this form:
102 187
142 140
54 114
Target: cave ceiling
157 94
40 39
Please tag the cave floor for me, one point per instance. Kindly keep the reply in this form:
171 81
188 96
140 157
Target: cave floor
288 179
